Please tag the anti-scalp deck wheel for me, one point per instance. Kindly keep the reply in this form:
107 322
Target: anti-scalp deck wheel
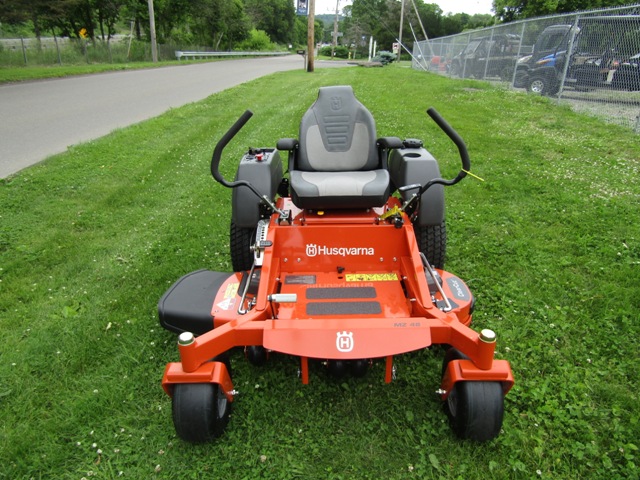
200 411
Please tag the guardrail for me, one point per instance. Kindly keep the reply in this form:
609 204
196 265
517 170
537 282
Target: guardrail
180 54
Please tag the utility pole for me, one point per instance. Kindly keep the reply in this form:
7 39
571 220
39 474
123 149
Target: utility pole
311 43
335 30
400 33
152 33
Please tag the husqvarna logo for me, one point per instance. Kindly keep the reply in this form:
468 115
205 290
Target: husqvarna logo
344 341
313 250
336 103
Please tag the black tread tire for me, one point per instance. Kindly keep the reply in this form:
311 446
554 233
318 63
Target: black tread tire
200 411
475 409
257 355
432 241
240 241
506 73
542 85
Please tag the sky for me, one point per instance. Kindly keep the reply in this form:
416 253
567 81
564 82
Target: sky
452 6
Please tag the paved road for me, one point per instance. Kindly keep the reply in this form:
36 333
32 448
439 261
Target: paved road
42 118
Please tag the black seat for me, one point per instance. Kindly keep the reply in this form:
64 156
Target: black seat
338 162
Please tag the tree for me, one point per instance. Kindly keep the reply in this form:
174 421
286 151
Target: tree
370 18
170 15
431 17
213 21
43 14
107 13
509 10
276 17
300 31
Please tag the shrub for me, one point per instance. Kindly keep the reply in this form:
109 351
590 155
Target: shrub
339 52
258 41
384 57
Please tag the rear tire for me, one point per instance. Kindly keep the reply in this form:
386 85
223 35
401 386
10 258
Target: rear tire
240 241
432 241
200 411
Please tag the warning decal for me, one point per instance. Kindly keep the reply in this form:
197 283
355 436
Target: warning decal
228 299
371 277
232 290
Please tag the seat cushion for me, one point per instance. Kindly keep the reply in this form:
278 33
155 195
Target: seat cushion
319 190
337 133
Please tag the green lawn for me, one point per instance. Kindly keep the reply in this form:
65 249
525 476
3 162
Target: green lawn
17 74
549 243
39 72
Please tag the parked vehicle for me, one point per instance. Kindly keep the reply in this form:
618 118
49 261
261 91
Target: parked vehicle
492 56
598 57
609 71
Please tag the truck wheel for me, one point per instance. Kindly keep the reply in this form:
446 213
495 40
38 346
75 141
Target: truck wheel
432 241
200 411
542 86
506 74
240 241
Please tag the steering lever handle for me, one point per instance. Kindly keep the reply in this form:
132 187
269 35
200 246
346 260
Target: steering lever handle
222 143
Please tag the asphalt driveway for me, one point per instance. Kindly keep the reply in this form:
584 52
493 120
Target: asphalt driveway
42 118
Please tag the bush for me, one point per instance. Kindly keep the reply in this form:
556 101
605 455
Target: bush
339 52
384 57
258 41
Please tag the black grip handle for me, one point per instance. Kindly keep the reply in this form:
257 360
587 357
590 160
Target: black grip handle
455 138
226 138
462 148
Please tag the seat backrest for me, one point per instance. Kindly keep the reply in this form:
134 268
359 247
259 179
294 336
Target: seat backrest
337 133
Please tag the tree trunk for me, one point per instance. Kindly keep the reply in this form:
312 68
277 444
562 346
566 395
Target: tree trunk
216 46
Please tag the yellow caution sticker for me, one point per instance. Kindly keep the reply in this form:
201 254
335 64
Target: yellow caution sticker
232 290
371 277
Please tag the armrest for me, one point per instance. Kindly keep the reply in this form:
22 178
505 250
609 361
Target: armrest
389 142
289 144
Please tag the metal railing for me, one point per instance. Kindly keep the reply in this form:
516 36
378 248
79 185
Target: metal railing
589 60
205 54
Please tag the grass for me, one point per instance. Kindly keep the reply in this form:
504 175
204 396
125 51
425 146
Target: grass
549 243
18 74
40 72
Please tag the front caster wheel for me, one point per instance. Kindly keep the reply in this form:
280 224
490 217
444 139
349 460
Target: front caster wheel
200 411
475 410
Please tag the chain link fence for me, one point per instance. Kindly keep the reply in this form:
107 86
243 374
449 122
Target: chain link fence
73 51
589 60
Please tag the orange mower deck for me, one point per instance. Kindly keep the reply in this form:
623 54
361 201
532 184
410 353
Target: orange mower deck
359 296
